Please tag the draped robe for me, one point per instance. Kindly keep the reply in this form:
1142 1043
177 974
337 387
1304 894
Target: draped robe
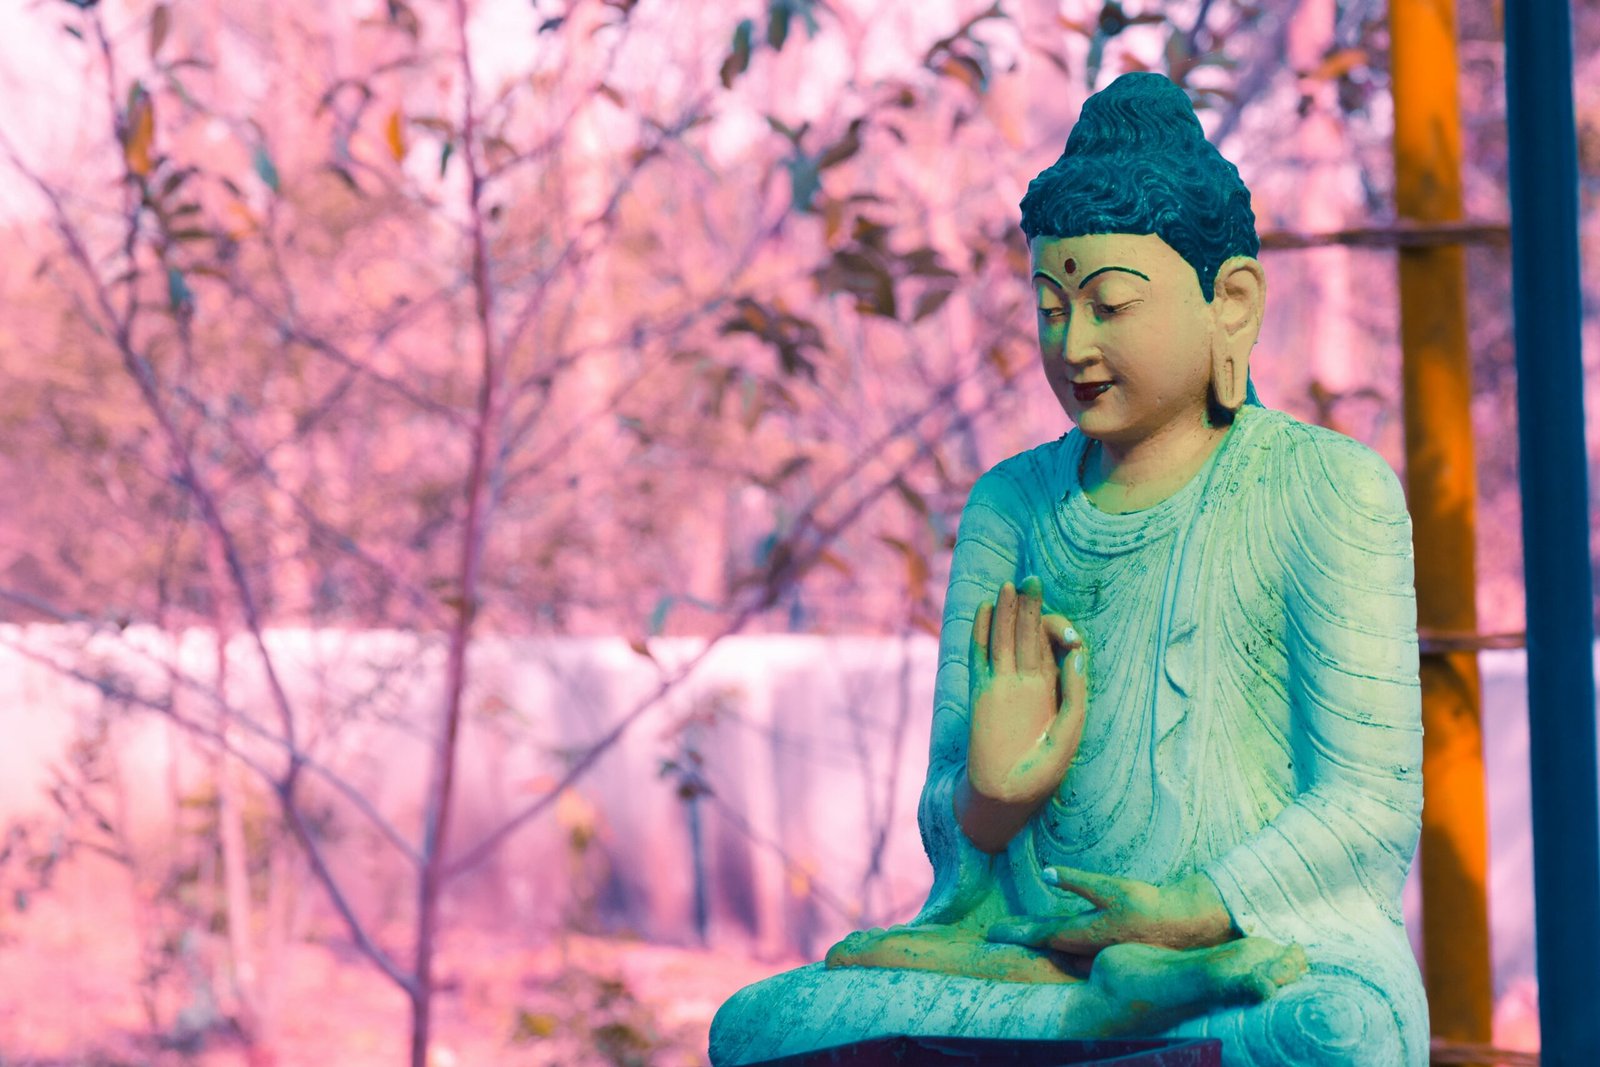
1254 714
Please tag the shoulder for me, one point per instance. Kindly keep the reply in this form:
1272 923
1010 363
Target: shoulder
1325 475
1027 481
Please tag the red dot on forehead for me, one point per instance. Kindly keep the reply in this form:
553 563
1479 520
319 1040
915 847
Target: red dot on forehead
1071 265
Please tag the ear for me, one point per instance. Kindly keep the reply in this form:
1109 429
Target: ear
1237 302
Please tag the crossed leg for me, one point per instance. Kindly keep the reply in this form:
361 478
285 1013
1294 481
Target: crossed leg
1129 989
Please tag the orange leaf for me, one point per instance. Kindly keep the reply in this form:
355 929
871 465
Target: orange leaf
395 134
1338 64
141 134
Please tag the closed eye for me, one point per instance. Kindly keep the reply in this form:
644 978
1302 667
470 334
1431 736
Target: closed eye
1107 310
1053 313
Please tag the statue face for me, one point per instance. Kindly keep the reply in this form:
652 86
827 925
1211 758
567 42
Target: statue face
1125 334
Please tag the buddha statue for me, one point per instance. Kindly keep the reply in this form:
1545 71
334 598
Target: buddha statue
1174 783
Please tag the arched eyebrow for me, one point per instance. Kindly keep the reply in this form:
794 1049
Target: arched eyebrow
1047 276
1092 275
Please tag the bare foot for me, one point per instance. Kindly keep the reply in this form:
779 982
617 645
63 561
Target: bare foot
1147 989
947 950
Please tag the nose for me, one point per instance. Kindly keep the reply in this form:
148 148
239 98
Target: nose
1080 346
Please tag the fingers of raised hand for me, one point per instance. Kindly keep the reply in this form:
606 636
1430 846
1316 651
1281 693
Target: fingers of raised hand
1003 633
981 623
1030 635
1066 730
1064 636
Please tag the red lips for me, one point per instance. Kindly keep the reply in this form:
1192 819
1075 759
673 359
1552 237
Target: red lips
1085 392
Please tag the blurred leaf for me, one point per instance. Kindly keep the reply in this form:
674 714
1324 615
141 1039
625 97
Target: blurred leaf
833 215
192 234
265 169
141 131
924 262
870 233
777 24
929 302
1091 63
160 24
179 296
914 500
1112 19
611 94
901 95
832 559
805 181
83 5
995 355
658 617
807 12
855 273
175 179
738 60
752 318
791 132
73 30
963 33
843 148
965 70
1178 56
395 135
434 124
444 156
1338 64
791 466
691 788
622 1043
532 1026
551 24
751 404
639 645
343 174
401 16
917 568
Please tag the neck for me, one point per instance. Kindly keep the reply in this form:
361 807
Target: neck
1122 477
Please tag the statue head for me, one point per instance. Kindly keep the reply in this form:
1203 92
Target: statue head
1137 166
1138 162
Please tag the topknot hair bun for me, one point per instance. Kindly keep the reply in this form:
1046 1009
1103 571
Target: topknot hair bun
1137 112
1138 162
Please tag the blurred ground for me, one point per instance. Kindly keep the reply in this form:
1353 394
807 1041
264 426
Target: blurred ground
70 993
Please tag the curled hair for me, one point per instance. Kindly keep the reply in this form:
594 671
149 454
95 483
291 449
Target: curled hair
1137 161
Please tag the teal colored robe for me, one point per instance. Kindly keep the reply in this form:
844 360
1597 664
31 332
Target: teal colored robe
1254 713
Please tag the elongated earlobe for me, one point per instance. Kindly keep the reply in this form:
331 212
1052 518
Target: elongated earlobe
1239 299
1229 375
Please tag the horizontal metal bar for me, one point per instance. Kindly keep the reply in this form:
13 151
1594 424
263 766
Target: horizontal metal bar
1402 233
1435 641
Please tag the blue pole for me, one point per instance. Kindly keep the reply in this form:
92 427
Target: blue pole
1555 527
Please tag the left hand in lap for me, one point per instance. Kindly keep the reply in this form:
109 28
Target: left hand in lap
1186 914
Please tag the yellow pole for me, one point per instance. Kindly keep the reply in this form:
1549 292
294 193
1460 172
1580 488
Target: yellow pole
1442 491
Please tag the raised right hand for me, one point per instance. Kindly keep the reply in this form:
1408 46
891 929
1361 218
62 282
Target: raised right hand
1027 715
